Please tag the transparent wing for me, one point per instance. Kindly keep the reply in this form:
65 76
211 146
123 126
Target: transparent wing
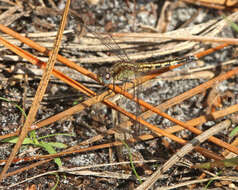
111 44
106 40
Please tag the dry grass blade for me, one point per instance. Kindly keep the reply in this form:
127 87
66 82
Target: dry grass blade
192 182
39 94
181 37
77 170
220 5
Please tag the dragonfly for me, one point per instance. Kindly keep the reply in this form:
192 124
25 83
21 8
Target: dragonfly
124 69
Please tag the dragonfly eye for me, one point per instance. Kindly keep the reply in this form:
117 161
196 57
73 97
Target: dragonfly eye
105 76
192 58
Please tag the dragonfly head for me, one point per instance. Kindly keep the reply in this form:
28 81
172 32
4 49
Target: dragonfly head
105 76
191 58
